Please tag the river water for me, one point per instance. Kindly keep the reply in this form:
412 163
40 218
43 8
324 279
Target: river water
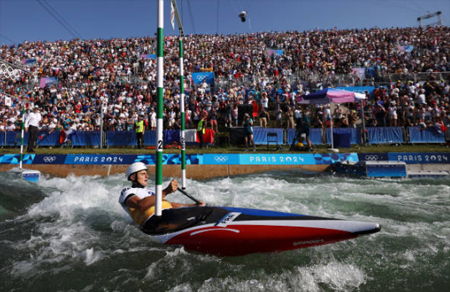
70 234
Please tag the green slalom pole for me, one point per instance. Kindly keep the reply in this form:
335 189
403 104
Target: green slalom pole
183 118
159 113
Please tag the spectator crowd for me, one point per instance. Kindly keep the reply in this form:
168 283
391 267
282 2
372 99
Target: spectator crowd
118 77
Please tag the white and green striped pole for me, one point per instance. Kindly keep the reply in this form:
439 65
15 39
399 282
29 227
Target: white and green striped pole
159 113
183 118
22 136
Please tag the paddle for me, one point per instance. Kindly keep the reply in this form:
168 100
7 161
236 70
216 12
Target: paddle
189 196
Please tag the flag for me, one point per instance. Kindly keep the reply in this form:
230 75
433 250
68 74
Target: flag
199 77
271 52
48 80
359 72
66 135
148 56
172 15
29 62
407 49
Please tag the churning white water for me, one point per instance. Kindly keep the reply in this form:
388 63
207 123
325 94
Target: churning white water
70 234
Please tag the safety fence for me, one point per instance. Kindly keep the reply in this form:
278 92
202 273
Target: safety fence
111 138
342 137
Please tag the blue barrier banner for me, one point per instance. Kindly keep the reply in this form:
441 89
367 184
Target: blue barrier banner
2 138
98 159
276 159
15 158
260 135
128 138
355 134
49 159
169 159
420 158
373 157
86 139
427 135
170 136
221 159
121 138
198 77
227 159
149 138
328 158
14 138
385 135
46 139
315 136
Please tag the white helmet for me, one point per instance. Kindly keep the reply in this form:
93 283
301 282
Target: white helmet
135 167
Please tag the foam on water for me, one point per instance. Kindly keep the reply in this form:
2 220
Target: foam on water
77 230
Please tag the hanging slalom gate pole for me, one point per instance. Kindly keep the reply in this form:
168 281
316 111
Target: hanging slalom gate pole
22 136
183 119
159 113
174 7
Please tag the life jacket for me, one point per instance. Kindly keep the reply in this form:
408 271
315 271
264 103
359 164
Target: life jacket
139 217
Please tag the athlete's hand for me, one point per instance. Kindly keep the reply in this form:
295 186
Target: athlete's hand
173 186
201 204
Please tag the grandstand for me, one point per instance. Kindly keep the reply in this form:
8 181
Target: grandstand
71 80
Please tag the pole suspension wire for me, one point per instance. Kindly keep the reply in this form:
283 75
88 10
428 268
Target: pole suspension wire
182 95
191 16
59 18
7 38
217 16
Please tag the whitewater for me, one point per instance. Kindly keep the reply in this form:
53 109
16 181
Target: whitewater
70 234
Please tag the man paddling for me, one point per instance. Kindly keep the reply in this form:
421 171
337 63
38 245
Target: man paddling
139 202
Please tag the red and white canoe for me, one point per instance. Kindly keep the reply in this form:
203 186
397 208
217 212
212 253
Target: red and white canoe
226 231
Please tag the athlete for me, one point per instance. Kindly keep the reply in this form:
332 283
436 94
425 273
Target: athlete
139 202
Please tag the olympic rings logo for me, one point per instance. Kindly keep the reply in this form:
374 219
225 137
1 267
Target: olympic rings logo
9 72
49 159
221 159
200 77
371 157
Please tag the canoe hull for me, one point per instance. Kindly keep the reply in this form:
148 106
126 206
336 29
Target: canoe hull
240 231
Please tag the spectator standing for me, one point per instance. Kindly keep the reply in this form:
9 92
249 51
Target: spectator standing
152 119
201 126
140 130
32 126
392 114
264 118
248 132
